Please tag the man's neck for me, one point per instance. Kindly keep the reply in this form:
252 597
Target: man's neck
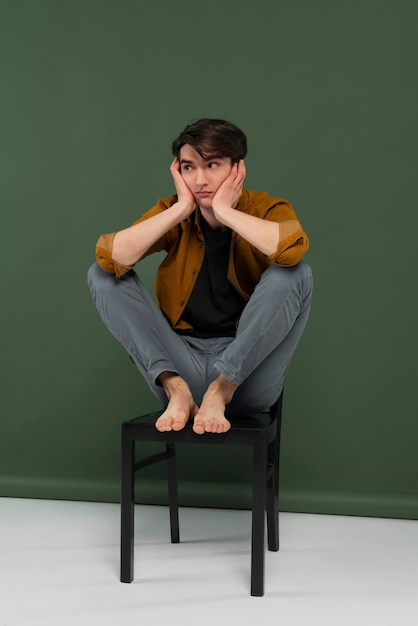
210 220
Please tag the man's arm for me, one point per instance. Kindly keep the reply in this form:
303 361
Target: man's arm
131 244
260 233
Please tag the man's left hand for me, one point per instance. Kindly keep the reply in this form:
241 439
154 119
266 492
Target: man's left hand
229 193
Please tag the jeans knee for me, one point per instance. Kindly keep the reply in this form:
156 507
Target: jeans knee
98 279
276 274
287 284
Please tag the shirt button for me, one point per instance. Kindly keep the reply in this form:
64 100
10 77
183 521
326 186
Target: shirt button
194 272
183 302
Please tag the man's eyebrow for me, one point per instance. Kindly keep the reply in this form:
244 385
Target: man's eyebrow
212 157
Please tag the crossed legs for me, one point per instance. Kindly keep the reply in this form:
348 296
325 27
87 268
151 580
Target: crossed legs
209 380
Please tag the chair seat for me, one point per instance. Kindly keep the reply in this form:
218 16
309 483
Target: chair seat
241 429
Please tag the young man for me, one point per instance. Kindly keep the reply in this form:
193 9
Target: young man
233 293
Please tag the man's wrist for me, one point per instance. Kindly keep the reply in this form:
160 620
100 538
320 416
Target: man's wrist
184 209
222 212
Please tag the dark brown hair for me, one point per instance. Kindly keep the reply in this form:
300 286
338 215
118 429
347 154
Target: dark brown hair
211 137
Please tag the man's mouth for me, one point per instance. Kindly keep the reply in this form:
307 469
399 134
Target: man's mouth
203 194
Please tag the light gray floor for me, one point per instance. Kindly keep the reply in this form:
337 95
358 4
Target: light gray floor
59 566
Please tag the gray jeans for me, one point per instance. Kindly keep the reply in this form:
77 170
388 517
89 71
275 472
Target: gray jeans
256 359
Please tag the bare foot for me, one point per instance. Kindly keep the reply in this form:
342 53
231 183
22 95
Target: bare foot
181 406
210 418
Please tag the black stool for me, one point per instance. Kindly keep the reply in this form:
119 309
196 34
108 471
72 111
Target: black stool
261 432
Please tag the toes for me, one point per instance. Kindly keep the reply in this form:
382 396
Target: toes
210 426
178 424
163 425
169 423
160 425
198 428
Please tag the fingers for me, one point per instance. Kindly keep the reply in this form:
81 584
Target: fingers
175 166
184 194
175 172
238 172
177 177
241 169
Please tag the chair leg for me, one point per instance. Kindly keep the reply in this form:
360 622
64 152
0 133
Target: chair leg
272 501
127 510
273 483
258 518
172 493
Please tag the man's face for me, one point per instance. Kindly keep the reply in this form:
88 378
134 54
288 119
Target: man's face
203 176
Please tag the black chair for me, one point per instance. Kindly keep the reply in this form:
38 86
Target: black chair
261 433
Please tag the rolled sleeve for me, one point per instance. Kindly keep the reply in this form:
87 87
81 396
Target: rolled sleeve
293 244
104 256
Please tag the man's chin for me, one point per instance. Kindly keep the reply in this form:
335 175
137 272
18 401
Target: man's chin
204 203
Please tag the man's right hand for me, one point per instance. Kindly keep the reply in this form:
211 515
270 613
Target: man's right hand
185 198
132 243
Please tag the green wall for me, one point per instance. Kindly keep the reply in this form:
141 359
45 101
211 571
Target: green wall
92 93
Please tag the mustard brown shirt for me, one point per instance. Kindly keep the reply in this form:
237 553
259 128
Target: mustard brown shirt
185 248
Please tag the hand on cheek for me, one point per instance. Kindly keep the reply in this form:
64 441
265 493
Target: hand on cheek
229 192
184 194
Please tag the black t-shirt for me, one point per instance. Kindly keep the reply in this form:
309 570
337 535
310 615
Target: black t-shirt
215 306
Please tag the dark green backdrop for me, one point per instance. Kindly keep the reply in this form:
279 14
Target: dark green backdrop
92 93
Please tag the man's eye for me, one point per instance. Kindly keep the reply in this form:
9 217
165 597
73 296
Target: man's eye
187 168
213 165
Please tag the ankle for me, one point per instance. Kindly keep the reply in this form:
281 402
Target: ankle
172 383
223 388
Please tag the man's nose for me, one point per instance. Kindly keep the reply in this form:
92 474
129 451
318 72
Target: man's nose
201 178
